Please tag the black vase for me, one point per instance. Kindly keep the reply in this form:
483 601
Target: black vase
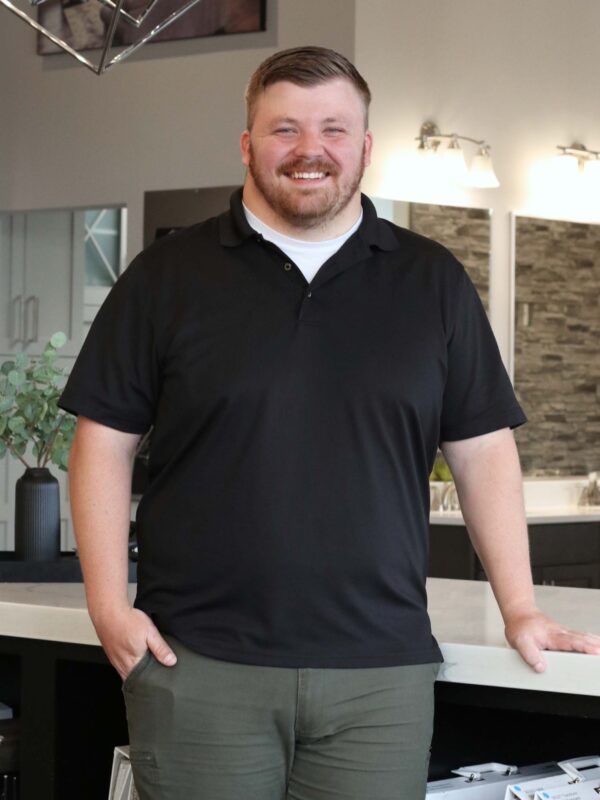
37 516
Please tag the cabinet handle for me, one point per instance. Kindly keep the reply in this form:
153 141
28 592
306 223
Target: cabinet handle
17 303
37 317
27 339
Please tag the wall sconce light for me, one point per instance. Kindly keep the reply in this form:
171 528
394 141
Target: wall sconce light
115 12
443 153
578 163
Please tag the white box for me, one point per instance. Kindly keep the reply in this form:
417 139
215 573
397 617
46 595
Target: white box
121 777
585 768
486 781
588 790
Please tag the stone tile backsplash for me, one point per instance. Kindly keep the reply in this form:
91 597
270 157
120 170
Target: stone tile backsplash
464 231
557 344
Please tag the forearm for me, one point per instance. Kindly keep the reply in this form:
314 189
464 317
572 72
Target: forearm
489 484
100 492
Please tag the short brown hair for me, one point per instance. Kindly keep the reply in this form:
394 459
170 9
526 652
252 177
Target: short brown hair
304 66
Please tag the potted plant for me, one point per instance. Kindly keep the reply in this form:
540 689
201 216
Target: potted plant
36 432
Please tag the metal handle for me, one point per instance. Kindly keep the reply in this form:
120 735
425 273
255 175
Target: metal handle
31 299
37 318
475 772
18 300
573 766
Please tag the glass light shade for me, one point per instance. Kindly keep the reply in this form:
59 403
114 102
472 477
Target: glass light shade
481 174
426 164
452 161
565 167
591 174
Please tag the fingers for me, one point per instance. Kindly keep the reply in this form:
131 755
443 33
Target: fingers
530 653
160 649
575 641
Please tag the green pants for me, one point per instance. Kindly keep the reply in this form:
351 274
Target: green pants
207 729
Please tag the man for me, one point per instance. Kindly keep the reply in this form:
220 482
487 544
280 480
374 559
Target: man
300 360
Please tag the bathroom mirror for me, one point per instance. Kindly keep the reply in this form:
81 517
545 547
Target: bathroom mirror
464 231
557 344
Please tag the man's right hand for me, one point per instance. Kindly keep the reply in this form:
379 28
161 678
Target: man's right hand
127 635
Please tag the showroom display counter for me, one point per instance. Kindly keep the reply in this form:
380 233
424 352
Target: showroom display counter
56 676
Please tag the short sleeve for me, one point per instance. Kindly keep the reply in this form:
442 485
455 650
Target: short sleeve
478 396
115 379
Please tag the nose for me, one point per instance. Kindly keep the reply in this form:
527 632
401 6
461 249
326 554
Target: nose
308 144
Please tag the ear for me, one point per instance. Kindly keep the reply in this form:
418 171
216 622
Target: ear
245 147
368 147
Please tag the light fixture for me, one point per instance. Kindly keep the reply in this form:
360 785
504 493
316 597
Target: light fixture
580 164
106 16
452 165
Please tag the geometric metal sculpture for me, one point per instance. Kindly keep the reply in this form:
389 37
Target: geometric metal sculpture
145 20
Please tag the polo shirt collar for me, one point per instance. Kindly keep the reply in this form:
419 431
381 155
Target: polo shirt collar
234 228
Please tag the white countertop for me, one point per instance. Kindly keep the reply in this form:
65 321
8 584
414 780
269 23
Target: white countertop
468 626
535 516
465 619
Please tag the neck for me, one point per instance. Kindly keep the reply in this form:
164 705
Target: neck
327 229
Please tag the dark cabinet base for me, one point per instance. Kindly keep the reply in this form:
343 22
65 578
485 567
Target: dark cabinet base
562 554
71 711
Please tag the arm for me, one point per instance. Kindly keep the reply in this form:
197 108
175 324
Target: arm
487 474
100 468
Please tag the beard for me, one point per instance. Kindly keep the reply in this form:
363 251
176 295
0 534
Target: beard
306 207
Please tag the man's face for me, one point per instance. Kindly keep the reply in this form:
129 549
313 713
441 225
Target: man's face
306 152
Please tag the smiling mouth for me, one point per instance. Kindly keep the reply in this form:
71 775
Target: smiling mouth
307 176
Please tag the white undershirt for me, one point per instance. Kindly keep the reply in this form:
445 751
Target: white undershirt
309 256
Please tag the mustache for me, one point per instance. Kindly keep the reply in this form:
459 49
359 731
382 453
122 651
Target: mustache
308 165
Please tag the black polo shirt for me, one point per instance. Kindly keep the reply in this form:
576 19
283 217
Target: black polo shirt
295 426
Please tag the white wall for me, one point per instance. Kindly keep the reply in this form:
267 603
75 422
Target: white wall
522 75
168 118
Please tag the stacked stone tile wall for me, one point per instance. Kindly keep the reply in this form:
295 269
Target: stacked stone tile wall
465 232
557 345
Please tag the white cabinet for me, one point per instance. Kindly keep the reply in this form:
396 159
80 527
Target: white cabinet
42 277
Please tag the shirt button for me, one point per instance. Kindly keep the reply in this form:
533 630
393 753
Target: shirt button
287 266
309 294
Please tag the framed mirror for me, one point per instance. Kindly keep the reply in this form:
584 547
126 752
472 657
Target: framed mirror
557 344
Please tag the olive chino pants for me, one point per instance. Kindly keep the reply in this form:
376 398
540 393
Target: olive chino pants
208 729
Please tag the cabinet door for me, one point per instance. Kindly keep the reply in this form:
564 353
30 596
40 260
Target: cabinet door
54 273
5 503
584 576
12 255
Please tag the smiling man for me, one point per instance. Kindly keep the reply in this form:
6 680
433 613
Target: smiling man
306 149
299 361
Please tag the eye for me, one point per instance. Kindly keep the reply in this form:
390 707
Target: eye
334 130
285 131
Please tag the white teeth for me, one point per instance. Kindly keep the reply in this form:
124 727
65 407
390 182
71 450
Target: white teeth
308 176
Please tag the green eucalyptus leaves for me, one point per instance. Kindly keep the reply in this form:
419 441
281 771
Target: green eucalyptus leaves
29 412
